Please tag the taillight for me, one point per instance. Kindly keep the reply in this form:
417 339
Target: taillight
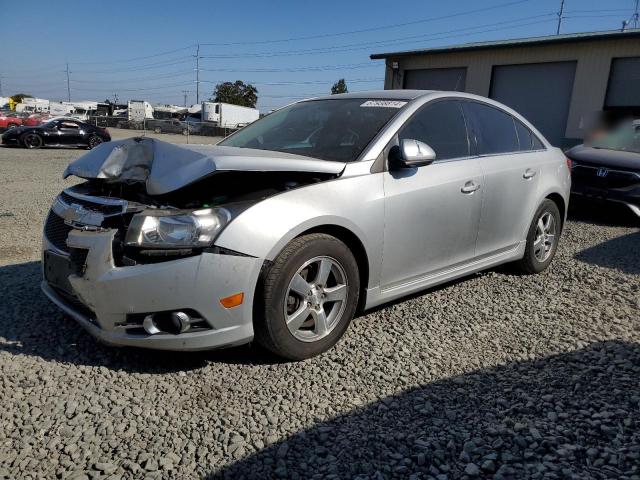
569 163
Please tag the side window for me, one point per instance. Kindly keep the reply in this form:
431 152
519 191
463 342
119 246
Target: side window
495 129
441 126
525 137
69 125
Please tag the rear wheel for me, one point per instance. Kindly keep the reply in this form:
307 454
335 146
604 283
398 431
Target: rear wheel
309 299
94 141
157 130
542 239
32 140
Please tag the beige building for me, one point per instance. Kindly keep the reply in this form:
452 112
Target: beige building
560 83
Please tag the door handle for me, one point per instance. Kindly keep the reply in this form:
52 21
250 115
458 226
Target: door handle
528 173
470 187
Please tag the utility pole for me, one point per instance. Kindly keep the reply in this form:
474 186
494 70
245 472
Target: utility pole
68 86
0 85
198 74
560 17
184 93
115 98
636 15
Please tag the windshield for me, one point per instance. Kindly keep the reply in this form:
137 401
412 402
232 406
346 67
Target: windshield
625 138
337 130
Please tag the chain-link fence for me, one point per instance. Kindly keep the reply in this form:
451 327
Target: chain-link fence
173 125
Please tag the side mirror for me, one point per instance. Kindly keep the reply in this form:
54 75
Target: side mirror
411 153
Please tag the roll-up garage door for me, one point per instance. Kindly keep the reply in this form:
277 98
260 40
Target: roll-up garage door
436 79
541 92
624 83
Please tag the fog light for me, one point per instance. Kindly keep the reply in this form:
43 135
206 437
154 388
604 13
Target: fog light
232 301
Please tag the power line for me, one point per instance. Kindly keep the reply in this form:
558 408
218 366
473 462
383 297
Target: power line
373 29
368 45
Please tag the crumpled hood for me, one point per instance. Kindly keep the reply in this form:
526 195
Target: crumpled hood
165 167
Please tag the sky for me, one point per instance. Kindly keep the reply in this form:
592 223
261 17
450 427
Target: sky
146 50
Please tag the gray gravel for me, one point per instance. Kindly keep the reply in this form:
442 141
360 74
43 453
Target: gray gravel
494 376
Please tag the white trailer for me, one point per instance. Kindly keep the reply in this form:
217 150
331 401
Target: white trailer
227 115
33 105
139 110
60 109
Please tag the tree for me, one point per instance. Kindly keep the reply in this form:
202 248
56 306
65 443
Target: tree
339 87
18 97
236 93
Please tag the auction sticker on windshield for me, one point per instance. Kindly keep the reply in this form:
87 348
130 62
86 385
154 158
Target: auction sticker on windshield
384 103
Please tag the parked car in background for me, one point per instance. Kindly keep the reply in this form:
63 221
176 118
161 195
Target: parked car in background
283 229
60 132
10 120
36 119
169 126
608 168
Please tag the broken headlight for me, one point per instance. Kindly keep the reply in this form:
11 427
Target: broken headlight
163 228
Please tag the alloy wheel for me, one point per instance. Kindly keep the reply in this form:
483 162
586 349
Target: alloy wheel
94 142
32 141
316 299
545 237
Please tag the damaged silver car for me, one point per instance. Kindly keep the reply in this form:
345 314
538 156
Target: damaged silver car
285 229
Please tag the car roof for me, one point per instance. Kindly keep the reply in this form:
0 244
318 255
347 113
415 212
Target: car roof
380 95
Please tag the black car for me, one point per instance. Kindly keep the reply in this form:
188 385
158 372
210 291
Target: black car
64 132
609 167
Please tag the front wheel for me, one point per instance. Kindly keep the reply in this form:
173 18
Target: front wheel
32 140
309 299
542 238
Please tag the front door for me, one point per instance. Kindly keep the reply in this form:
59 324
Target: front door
432 212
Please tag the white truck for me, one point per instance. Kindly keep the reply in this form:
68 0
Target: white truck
227 115
139 110
61 109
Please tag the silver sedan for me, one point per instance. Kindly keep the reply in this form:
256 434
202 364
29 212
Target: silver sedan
288 227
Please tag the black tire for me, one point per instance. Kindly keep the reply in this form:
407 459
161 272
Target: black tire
157 130
94 141
271 330
530 263
32 140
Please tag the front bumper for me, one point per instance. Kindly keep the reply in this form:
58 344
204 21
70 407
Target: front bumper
614 185
113 294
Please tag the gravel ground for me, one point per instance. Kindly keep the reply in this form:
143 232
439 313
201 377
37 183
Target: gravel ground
494 376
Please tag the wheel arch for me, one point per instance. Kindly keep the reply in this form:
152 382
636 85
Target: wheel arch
345 235
353 242
560 203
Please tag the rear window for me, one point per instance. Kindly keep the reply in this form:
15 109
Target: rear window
495 129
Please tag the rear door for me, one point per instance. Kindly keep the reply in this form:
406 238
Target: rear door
432 212
510 159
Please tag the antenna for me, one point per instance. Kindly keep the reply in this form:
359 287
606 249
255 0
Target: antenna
560 17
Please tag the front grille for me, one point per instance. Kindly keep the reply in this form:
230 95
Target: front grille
57 231
89 205
588 176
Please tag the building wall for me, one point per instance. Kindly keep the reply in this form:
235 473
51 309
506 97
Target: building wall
590 84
